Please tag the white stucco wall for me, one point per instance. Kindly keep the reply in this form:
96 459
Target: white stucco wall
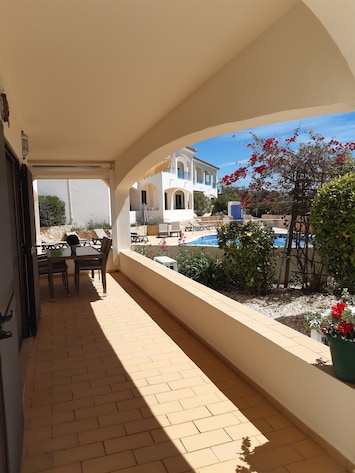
85 199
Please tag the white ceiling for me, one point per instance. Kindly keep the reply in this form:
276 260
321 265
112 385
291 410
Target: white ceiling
87 78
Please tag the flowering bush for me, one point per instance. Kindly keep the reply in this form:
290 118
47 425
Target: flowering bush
296 169
339 323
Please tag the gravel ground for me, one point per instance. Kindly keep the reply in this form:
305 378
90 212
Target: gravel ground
288 306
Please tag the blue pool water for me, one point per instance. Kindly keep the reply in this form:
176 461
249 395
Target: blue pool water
212 240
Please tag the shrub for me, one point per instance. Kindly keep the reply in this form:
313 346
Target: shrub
202 204
150 252
92 224
206 269
333 221
248 254
51 211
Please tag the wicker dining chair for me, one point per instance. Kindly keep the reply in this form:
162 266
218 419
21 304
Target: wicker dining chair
57 268
94 264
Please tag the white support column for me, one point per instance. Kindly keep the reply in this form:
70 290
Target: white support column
121 238
36 211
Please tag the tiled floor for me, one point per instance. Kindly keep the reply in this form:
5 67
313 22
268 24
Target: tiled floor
116 385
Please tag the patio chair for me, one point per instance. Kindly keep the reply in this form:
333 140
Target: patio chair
175 229
58 267
100 235
163 230
93 264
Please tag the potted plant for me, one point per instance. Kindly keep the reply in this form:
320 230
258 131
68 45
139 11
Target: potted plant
339 328
152 227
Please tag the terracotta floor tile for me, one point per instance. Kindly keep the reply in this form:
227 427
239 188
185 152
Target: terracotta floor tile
206 439
128 442
109 463
164 408
154 467
232 450
200 458
175 432
175 395
209 399
275 457
76 426
38 463
101 434
319 464
155 452
224 467
51 445
40 433
216 422
80 453
73 468
120 417
115 385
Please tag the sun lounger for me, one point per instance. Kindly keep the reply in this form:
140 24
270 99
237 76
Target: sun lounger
200 226
100 235
194 227
48 244
135 238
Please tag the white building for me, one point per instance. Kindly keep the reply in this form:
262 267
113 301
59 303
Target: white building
86 200
167 196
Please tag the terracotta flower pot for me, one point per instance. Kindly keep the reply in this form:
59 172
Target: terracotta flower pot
152 230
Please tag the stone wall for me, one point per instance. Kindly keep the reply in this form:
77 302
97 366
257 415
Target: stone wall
58 233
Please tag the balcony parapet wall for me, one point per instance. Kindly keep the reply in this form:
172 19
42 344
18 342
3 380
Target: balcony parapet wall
280 361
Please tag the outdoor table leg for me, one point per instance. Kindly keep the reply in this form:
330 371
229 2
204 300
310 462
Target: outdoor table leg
77 277
103 274
50 280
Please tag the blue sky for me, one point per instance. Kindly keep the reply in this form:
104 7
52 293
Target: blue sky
227 150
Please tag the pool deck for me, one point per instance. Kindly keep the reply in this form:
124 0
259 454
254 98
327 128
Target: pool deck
188 236
174 240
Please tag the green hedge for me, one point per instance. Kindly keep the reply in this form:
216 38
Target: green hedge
333 221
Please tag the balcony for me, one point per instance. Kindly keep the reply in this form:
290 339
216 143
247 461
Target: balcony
181 174
120 384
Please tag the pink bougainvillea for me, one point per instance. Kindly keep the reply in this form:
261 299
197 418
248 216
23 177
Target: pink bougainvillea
296 168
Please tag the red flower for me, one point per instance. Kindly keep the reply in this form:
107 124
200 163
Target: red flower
345 327
260 169
253 159
338 309
269 143
340 159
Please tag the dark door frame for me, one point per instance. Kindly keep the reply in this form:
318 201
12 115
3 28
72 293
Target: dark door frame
3 440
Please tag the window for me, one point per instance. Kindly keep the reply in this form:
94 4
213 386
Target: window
179 201
144 197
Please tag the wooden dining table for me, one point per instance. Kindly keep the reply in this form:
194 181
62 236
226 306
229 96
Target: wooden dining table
74 253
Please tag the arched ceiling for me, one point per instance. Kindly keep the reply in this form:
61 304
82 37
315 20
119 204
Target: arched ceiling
86 79
95 81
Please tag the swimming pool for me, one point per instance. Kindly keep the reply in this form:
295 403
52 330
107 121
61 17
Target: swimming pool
212 240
